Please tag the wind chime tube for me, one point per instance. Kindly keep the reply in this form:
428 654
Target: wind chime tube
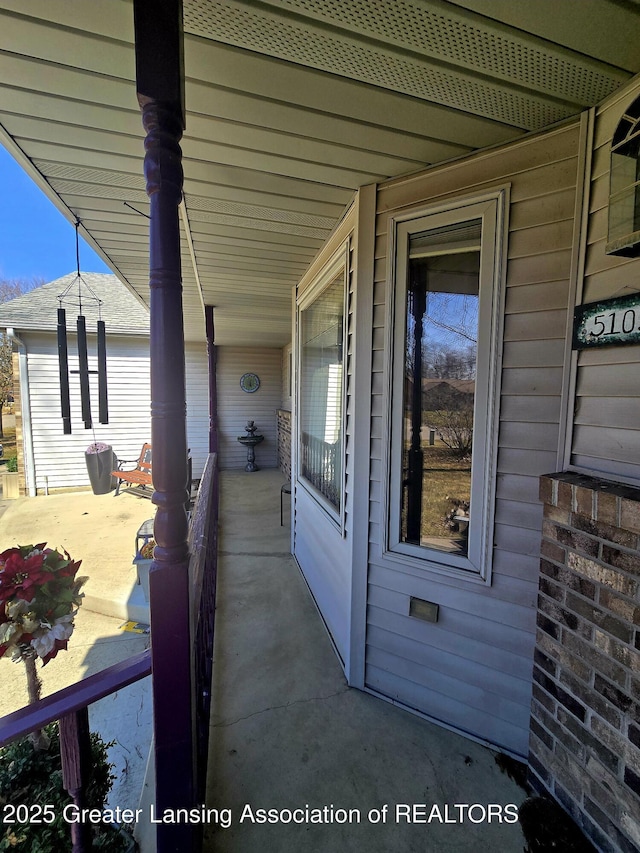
63 367
83 365
103 405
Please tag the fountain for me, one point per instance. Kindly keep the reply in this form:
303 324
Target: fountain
249 441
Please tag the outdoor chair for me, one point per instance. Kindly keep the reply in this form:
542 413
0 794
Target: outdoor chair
139 478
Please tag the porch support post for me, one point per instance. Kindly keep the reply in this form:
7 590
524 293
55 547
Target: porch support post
160 81
415 472
213 382
75 757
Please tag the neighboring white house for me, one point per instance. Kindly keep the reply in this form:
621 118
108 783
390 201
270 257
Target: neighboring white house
47 458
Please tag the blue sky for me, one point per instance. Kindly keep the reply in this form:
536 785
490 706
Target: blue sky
36 241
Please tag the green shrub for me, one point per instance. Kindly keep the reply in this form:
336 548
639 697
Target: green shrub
455 428
29 776
12 464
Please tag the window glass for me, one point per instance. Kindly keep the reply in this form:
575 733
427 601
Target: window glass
321 392
443 395
440 355
624 195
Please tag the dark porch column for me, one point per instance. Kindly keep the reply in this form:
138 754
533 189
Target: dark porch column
415 472
213 382
160 80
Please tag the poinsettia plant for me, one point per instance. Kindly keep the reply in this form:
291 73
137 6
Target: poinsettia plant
39 598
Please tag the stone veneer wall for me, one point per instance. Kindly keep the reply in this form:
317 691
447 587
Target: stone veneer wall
585 723
284 442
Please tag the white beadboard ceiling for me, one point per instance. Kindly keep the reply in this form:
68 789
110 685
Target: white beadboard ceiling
291 106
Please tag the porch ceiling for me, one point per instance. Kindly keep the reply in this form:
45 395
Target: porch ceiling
291 106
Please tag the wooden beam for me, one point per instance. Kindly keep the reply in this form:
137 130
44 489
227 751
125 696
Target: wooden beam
160 53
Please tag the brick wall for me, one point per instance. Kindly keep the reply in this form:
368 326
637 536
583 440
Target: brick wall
284 442
585 723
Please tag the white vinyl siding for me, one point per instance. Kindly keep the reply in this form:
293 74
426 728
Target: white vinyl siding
59 459
197 381
236 407
472 669
606 429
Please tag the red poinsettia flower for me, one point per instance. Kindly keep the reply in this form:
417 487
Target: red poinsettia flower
59 645
22 577
69 570
39 597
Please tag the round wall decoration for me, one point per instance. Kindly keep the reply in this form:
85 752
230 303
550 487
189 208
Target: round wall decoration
249 382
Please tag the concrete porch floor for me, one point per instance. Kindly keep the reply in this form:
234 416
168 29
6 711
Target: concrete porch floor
99 530
287 731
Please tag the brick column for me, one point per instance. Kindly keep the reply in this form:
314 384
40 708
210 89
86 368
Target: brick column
284 442
585 723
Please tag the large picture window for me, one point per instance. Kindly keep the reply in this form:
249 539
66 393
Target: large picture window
321 386
443 387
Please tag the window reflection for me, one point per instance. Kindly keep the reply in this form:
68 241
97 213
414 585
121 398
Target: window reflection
439 386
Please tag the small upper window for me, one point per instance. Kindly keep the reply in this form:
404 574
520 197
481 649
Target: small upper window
624 190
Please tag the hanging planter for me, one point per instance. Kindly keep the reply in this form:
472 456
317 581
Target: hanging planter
101 461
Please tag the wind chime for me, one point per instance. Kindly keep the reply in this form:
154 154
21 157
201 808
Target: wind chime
69 297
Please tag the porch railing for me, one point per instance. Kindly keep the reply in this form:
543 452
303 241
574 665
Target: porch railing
70 705
203 546
319 465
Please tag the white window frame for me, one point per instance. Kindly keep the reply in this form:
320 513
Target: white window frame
337 264
491 209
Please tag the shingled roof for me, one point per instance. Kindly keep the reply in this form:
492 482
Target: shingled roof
37 309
